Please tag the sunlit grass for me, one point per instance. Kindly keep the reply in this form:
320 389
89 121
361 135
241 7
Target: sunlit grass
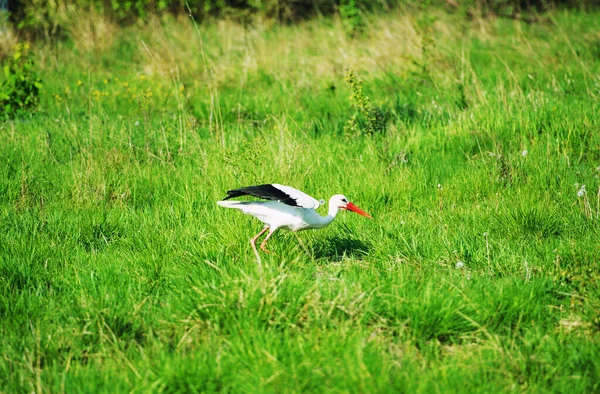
118 272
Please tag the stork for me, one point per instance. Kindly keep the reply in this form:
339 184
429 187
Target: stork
287 208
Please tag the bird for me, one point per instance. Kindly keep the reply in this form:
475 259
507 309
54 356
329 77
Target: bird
286 208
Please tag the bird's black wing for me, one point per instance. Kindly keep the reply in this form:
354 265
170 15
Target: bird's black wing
284 194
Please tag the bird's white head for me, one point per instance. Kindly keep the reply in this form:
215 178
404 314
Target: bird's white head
340 201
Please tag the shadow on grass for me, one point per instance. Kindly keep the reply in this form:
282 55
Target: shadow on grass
336 247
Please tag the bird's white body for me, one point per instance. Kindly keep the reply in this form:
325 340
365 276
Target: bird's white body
287 209
281 216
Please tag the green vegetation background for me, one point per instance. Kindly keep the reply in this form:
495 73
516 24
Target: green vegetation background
470 138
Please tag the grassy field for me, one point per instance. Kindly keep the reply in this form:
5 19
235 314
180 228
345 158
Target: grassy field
119 273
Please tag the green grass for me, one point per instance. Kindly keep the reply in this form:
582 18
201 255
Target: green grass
119 273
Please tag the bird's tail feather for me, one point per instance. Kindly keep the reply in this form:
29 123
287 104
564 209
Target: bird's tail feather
231 204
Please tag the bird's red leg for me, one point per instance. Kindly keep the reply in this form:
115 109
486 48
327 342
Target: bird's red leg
264 242
253 240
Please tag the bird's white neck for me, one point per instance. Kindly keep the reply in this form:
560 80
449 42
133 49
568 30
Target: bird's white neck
324 221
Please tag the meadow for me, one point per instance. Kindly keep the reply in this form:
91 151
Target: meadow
473 142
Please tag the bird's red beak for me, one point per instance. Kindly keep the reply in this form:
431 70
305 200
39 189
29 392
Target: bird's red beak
354 208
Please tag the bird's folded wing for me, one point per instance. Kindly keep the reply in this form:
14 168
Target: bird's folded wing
284 194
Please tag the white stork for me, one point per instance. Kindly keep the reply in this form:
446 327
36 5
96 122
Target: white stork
287 208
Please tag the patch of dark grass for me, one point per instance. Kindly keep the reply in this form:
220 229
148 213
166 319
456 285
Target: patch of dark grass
530 222
97 236
337 247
